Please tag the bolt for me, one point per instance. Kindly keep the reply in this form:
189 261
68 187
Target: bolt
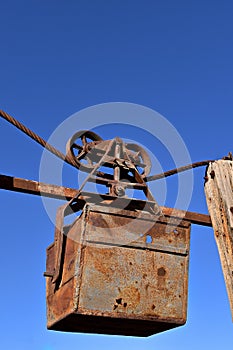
119 191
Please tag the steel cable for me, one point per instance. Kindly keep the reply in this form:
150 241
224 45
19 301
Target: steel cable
178 170
37 138
72 162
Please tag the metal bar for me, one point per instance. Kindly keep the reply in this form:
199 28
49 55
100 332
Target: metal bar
193 217
102 181
59 192
37 188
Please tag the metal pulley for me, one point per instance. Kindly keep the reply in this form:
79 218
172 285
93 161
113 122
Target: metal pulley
87 149
79 148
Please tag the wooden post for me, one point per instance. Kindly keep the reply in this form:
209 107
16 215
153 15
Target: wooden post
219 197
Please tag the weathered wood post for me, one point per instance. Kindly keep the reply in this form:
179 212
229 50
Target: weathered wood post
219 197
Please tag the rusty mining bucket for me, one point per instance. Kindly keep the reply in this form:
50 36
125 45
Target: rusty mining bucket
122 272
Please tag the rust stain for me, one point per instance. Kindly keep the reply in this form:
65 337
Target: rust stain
101 261
161 281
128 298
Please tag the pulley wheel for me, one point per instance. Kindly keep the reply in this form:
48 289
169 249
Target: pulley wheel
140 158
80 147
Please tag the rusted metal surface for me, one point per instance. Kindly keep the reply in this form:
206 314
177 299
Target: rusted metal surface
219 197
87 148
122 272
124 160
59 192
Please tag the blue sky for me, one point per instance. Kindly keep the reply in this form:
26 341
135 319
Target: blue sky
58 57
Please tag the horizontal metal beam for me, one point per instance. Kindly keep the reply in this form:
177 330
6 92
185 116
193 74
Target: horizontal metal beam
53 191
37 188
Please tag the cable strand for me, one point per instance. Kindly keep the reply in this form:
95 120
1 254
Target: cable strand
37 138
178 170
72 162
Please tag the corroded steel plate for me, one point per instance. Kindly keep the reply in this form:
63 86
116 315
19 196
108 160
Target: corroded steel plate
123 272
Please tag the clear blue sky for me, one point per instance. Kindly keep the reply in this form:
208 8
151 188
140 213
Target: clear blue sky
58 57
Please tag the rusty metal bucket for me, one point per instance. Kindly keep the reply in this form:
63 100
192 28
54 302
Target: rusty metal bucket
122 272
